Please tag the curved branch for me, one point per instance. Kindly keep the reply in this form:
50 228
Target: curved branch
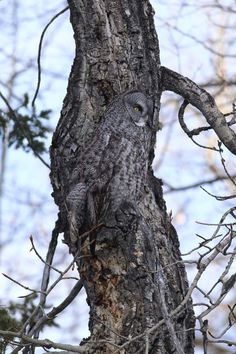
192 132
202 100
39 52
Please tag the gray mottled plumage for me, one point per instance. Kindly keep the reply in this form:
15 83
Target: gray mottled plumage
112 167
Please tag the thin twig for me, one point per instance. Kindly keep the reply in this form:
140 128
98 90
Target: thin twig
194 185
226 170
41 258
219 197
18 283
40 50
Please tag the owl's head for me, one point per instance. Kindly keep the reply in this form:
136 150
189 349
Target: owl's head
139 107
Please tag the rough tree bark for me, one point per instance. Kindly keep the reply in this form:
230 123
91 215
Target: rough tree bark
136 278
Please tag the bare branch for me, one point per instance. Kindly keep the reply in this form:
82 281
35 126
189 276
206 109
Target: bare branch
22 285
39 52
41 258
202 100
228 342
45 343
194 185
201 42
220 198
192 132
58 309
67 301
226 170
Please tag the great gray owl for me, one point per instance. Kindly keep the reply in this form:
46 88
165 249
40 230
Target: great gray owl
112 167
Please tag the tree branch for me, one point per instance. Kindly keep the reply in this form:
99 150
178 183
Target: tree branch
39 52
44 343
171 188
202 100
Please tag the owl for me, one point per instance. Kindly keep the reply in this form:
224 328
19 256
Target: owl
112 167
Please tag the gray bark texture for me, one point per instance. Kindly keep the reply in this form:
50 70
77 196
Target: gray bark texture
135 279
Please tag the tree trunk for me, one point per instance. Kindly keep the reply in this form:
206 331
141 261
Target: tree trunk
135 279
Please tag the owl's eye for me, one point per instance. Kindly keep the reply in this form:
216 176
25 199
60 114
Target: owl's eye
138 108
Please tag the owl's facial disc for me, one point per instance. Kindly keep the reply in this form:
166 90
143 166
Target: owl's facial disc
139 107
